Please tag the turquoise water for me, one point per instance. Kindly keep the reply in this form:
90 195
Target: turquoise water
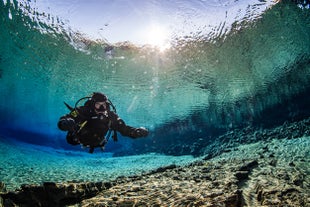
253 71
26 163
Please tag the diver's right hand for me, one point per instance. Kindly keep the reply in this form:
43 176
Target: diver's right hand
66 124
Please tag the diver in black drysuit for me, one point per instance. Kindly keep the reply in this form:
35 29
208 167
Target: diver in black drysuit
91 125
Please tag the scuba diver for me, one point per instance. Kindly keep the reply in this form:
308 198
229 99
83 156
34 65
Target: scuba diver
92 123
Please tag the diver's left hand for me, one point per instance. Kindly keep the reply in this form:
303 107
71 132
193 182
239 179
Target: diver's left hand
141 132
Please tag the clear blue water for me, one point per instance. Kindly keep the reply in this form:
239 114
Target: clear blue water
249 66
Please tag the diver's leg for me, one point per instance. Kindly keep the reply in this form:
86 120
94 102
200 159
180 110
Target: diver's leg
91 149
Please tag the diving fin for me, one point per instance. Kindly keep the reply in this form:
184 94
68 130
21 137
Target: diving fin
69 107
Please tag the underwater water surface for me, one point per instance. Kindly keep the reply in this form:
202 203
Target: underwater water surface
249 66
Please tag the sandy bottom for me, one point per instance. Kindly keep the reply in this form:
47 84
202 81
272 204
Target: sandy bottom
22 163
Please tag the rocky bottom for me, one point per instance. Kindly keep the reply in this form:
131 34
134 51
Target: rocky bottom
273 173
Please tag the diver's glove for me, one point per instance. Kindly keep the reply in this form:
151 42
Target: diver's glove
66 124
140 132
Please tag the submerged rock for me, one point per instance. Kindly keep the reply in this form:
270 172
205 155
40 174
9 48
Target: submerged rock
2 187
53 194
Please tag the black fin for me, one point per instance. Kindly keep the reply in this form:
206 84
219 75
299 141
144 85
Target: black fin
69 107
91 150
114 135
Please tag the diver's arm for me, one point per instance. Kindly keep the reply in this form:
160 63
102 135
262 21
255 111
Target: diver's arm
132 132
119 125
69 121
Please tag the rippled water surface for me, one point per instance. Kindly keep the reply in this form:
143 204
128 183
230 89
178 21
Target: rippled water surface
188 65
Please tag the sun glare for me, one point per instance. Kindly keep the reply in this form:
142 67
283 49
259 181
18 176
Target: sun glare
158 36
